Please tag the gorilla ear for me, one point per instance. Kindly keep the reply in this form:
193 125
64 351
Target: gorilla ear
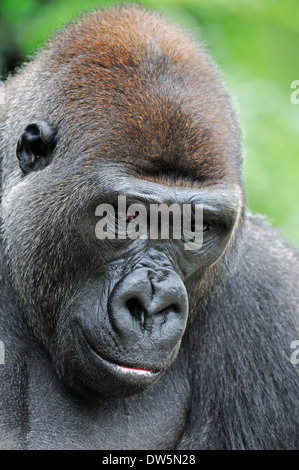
35 146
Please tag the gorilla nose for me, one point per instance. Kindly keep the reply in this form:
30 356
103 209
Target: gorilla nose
146 301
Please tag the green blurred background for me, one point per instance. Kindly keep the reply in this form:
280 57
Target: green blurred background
256 45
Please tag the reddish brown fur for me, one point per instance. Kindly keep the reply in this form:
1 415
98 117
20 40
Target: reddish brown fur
131 77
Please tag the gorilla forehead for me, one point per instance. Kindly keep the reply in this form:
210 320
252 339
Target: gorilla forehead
126 83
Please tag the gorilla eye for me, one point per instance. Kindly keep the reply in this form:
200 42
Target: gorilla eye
205 226
124 217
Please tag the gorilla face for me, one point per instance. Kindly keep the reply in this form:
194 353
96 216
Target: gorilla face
112 312
124 324
153 129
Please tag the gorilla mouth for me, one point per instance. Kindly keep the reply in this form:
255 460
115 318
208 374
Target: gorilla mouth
127 372
131 370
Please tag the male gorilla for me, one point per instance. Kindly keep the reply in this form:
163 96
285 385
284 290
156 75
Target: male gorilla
136 343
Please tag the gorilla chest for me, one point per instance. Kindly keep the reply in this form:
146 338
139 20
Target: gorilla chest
153 419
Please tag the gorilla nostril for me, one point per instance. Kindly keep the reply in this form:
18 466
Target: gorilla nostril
140 305
137 310
170 308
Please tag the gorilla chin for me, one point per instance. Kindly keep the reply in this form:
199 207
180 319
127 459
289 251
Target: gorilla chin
88 372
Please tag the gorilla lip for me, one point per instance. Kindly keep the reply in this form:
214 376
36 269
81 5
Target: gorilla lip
124 370
131 370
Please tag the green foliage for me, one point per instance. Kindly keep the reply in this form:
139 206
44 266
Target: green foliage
256 46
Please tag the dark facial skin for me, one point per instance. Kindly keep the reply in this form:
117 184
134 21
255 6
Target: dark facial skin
135 313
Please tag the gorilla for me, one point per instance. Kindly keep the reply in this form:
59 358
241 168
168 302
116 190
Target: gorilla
136 343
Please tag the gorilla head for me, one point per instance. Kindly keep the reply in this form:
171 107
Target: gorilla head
116 105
